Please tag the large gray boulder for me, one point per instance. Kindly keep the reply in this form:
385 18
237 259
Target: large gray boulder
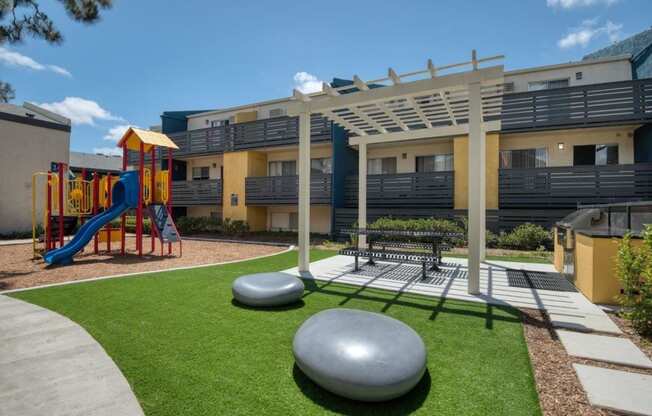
267 289
360 355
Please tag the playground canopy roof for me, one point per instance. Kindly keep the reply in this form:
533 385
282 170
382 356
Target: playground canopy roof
133 137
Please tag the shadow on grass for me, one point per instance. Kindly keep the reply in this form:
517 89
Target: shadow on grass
403 405
296 305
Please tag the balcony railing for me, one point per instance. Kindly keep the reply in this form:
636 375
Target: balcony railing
586 105
199 192
272 190
566 187
429 189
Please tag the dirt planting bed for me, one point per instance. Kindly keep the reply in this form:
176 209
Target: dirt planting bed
18 270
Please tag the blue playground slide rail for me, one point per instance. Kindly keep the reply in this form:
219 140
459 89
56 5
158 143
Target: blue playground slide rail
124 197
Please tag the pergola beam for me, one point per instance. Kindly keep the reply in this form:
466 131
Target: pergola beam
434 132
320 104
447 105
344 123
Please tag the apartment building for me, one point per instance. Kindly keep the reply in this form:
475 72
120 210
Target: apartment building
573 133
31 138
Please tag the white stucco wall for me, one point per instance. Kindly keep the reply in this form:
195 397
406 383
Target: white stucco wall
592 73
214 163
203 121
320 217
25 149
407 164
623 136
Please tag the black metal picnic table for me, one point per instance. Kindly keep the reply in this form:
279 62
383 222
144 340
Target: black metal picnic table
429 242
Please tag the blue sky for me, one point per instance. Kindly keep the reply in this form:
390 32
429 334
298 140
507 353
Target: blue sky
148 56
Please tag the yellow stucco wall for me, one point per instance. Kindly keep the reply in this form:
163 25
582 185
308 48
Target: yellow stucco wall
245 116
204 211
558 256
461 168
595 267
238 166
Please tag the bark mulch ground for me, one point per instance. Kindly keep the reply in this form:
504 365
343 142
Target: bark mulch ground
560 391
18 270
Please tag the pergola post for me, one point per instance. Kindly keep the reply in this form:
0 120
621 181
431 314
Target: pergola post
362 192
477 173
304 190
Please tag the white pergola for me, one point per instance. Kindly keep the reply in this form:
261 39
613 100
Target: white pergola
430 103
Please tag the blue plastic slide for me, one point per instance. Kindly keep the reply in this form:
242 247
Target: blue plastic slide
123 197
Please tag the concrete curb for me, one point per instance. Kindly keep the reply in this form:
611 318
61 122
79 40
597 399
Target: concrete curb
92 279
225 240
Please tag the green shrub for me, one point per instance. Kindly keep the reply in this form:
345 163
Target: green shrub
525 237
20 235
209 225
423 224
634 270
130 224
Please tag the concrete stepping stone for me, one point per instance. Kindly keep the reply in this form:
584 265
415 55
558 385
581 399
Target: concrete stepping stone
585 323
604 348
616 390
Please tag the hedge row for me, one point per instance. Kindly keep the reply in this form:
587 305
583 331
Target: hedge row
524 237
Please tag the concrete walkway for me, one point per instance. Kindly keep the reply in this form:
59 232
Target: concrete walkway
49 365
501 283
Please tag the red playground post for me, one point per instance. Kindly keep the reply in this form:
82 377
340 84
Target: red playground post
123 219
48 231
61 209
152 194
169 191
96 203
139 210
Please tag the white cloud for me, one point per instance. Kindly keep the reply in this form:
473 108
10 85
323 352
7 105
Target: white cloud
59 70
16 59
115 133
109 151
589 30
307 83
570 4
80 110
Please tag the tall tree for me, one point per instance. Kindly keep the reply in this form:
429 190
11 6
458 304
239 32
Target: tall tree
19 18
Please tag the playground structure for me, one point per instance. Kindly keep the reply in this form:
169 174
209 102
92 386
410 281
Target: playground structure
96 202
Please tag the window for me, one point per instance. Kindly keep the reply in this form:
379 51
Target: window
321 165
381 166
282 168
219 123
276 112
508 87
434 163
578 76
524 158
601 154
200 173
548 84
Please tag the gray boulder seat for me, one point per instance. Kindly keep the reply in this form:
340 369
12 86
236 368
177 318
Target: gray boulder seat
267 289
360 355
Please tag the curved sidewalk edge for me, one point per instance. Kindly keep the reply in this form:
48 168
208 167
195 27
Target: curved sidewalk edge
51 365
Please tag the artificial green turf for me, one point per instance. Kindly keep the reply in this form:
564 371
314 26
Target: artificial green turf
186 349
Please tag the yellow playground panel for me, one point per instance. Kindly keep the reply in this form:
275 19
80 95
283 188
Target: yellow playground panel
79 198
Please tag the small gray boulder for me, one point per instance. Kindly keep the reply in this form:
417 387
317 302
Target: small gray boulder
267 289
360 355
